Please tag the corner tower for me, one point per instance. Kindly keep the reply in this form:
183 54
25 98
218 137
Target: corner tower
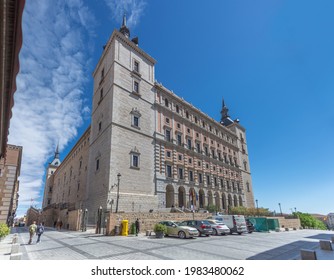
122 128
243 158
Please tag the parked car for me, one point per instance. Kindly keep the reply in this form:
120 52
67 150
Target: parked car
219 227
203 226
175 229
250 226
236 223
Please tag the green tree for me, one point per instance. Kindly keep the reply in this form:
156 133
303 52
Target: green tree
4 230
307 220
212 208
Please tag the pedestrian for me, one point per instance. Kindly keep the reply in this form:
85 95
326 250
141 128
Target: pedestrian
54 224
60 225
137 224
32 231
40 230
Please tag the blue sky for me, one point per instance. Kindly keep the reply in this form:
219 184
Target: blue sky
272 62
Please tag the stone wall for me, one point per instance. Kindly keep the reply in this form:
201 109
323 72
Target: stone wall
288 223
148 220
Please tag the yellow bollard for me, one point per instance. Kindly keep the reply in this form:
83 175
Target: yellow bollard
125 227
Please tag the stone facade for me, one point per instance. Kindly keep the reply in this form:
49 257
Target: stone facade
9 184
148 148
66 182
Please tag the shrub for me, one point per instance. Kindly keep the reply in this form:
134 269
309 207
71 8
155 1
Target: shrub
4 230
160 228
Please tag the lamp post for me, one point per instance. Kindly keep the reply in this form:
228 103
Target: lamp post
117 198
280 209
257 206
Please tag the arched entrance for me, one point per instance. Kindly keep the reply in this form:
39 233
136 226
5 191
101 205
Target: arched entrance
240 201
217 201
169 196
235 201
210 198
192 197
229 203
224 202
201 198
182 197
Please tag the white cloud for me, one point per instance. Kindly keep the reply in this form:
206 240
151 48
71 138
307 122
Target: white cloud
49 101
134 9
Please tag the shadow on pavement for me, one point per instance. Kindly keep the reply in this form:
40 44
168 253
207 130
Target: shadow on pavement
289 251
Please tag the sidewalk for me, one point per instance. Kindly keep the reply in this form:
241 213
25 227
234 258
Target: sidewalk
6 246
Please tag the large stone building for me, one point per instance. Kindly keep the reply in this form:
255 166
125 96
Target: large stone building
9 184
10 156
147 148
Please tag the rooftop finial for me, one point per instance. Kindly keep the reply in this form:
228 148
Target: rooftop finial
57 151
124 29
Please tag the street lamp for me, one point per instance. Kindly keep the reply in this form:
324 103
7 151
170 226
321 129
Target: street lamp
280 209
117 198
257 206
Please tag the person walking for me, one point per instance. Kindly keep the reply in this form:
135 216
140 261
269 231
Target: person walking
40 230
32 231
137 224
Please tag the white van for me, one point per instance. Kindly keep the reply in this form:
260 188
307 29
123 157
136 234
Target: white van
236 223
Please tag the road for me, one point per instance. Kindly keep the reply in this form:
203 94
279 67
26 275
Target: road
67 245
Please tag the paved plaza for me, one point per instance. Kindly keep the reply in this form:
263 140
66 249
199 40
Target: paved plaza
68 245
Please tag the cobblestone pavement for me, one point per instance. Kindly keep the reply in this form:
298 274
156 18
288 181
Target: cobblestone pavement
67 245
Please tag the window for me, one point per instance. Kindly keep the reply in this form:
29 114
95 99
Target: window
188 130
181 173
191 177
135 117
102 74
222 183
208 180
199 163
189 144
245 165
167 120
198 147
206 151
215 181
178 125
135 121
135 86
168 154
100 126
166 102
190 161
134 158
135 161
177 109
167 135
179 139
97 164
187 115
101 94
180 157
136 66
213 153
200 178
169 171
196 119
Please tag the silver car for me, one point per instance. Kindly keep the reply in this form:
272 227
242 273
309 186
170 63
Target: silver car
219 228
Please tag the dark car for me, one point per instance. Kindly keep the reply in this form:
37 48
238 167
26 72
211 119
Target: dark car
203 227
250 226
